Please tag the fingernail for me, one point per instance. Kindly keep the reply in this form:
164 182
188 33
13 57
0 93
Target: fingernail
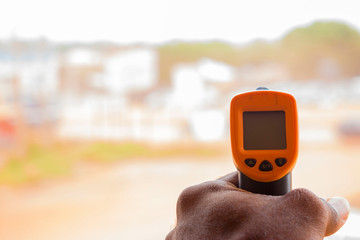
341 205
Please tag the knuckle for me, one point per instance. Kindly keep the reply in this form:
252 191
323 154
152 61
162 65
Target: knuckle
306 203
302 195
187 195
190 196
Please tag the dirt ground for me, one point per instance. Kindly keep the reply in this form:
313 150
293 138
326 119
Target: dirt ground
136 199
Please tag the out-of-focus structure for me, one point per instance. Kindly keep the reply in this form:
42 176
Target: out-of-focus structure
160 94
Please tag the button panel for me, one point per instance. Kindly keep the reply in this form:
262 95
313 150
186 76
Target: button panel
265 166
250 162
280 162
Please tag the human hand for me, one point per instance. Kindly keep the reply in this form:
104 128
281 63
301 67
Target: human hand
219 210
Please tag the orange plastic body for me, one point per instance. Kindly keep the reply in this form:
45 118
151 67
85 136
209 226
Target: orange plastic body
264 101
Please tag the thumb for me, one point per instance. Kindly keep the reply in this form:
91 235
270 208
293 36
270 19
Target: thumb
338 209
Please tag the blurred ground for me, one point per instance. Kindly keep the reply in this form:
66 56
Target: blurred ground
105 202
135 198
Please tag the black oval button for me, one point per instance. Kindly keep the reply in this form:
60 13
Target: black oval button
265 166
280 161
250 162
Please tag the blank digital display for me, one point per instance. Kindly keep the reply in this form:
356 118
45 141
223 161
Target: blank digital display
264 130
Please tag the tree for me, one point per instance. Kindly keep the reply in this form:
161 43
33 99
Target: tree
303 49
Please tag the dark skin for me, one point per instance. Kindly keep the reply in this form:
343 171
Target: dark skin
219 210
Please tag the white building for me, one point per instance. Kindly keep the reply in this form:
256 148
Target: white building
194 96
215 71
208 125
39 76
82 57
189 89
131 70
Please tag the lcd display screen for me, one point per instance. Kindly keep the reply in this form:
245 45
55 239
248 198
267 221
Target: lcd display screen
264 130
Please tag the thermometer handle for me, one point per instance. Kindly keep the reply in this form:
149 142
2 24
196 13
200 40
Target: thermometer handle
276 188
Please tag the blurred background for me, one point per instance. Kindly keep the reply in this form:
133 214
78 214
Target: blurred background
108 109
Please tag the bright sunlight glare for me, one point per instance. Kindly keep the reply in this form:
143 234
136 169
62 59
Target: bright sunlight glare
160 20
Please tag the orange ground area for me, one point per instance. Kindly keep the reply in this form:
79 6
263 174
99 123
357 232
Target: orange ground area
136 199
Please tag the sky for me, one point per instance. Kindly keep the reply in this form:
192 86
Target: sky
158 21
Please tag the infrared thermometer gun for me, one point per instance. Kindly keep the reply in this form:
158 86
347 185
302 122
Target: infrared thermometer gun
264 140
